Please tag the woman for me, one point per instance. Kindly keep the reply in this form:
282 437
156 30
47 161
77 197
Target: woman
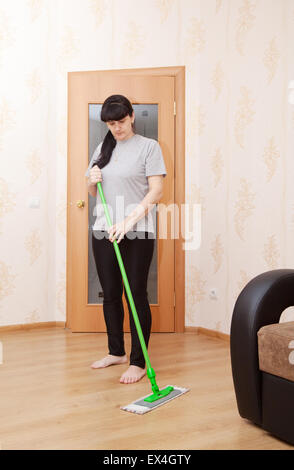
131 169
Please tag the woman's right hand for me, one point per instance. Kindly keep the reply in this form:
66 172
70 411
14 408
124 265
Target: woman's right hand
95 175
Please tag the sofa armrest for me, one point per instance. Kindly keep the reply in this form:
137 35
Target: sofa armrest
260 303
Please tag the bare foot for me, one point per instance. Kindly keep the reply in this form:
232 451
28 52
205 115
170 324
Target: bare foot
132 375
109 361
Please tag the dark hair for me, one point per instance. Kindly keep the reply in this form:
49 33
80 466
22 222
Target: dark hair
114 108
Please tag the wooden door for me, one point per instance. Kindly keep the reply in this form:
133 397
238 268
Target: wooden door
86 89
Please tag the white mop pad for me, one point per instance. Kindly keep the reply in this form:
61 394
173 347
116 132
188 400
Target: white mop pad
141 407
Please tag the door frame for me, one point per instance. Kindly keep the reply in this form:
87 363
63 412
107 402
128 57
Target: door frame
178 73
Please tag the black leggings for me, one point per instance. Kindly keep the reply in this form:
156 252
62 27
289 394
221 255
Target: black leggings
137 256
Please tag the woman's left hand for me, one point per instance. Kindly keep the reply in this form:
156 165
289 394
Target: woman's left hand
117 231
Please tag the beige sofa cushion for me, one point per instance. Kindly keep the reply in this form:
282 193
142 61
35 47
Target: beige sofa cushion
276 349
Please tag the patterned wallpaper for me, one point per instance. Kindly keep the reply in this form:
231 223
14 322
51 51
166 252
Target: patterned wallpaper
239 137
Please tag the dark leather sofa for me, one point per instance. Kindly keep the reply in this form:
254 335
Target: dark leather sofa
266 400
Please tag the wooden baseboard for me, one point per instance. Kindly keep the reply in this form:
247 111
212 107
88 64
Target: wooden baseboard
205 331
29 326
52 324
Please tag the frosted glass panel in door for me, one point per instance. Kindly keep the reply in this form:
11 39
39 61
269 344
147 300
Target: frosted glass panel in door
146 124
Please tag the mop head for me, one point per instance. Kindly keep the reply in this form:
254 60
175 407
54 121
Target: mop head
141 406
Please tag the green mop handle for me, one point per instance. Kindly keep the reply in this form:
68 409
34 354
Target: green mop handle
150 371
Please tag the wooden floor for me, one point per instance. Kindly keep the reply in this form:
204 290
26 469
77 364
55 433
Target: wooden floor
50 398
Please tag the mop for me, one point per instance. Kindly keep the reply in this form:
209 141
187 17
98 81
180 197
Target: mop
158 397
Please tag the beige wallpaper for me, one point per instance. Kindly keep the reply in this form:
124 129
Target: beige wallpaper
239 137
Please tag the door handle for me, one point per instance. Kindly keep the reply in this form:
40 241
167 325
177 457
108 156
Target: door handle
80 204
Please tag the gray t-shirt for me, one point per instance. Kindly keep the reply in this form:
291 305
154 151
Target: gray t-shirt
125 182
